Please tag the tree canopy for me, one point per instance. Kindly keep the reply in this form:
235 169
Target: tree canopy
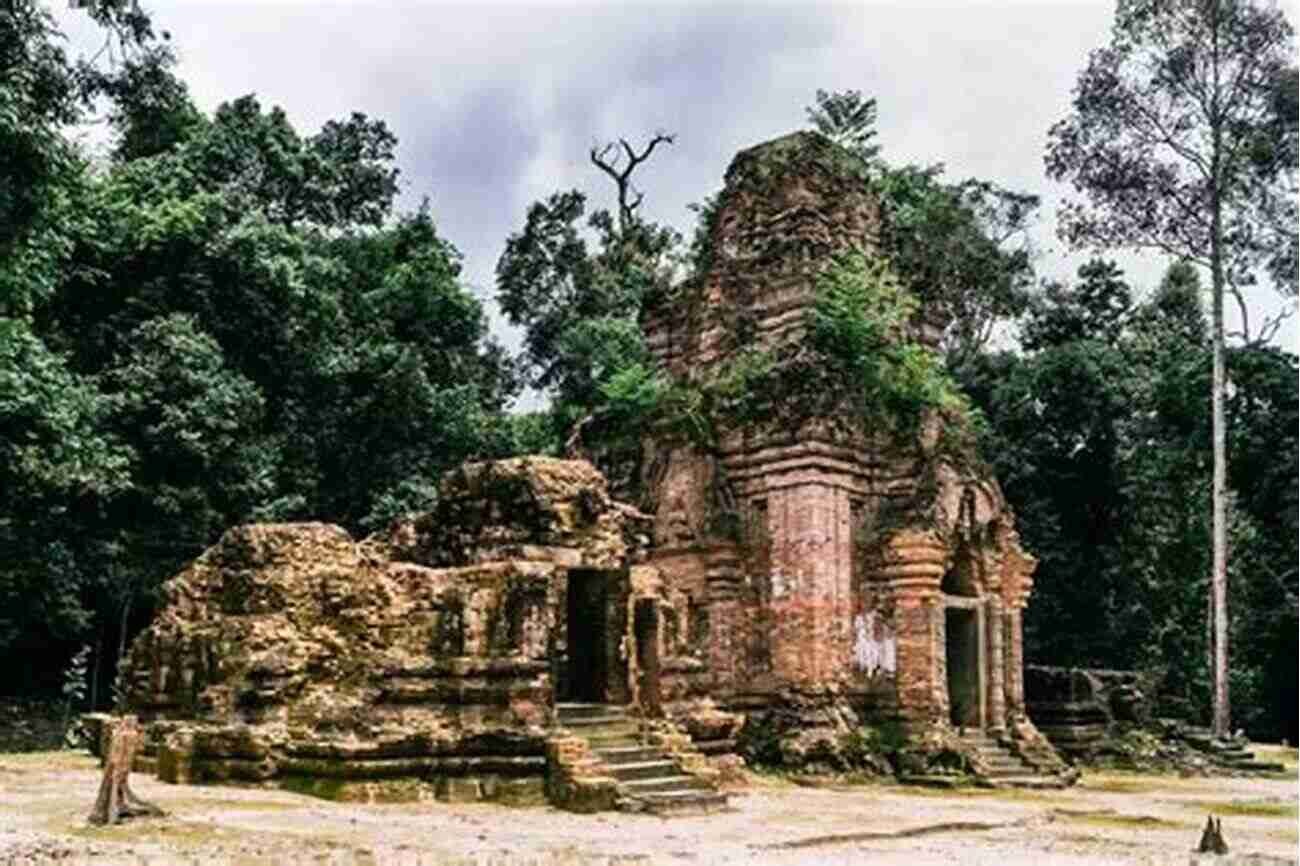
1183 140
227 321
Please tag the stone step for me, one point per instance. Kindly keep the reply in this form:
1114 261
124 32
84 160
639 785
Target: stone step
586 723
612 741
627 754
1010 763
602 729
982 742
1027 781
575 710
997 755
683 802
1262 766
716 747
990 750
1002 767
654 769
1007 772
1010 773
648 780
637 787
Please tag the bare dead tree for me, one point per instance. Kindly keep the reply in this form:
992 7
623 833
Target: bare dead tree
619 159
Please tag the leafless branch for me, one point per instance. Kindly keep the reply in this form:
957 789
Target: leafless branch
1267 331
620 168
1241 306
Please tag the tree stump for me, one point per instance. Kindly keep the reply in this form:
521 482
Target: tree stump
116 800
1212 841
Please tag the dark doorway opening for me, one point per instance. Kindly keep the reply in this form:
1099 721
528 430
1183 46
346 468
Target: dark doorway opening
962 654
587 637
646 628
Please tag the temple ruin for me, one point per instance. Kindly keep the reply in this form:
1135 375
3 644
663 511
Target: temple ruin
533 638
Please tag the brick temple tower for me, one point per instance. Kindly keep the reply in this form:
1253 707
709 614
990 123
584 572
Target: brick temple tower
803 552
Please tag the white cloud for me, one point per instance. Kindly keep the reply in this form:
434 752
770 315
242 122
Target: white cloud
496 105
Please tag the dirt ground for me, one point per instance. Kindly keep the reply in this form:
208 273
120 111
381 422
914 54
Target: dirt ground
1106 819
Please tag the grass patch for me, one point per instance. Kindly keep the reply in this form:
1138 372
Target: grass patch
321 787
1251 808
1014 795
59 759
230 805
1095 840
1115 820
1129 783
1287 756
188 834
767 777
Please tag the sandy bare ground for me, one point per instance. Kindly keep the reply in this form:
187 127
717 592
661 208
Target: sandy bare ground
1107 819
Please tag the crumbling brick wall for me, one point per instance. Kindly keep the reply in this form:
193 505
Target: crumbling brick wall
426 657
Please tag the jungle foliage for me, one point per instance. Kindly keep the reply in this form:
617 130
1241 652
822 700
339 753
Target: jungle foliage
1098 430
223 321
1183 138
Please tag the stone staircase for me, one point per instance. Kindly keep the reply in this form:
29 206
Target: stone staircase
649 779
1227 753
999 767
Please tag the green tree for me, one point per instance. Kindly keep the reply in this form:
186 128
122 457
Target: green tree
219 325
859 325
1056 441
961 250
847 119
1264 423
58 461
1099 433
1097 307
579 307
1182 139
149 108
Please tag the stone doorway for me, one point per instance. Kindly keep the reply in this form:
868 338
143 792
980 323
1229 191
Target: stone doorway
964 662
587 636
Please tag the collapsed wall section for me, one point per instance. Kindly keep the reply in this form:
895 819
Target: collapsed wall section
422 662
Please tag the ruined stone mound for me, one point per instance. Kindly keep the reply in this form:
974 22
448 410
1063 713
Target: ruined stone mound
534 508
405 665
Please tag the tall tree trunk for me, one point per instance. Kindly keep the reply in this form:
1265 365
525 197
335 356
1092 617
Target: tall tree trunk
1221 720
121 649
94 672
1219 527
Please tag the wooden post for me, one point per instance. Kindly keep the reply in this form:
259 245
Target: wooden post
116 801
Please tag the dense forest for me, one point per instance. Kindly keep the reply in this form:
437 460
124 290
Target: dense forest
224 319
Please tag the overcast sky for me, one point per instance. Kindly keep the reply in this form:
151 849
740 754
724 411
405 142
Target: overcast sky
496 105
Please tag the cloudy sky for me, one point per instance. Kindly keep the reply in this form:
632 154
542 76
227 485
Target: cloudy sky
496 105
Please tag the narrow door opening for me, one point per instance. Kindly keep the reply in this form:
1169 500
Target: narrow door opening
962 649
586 633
